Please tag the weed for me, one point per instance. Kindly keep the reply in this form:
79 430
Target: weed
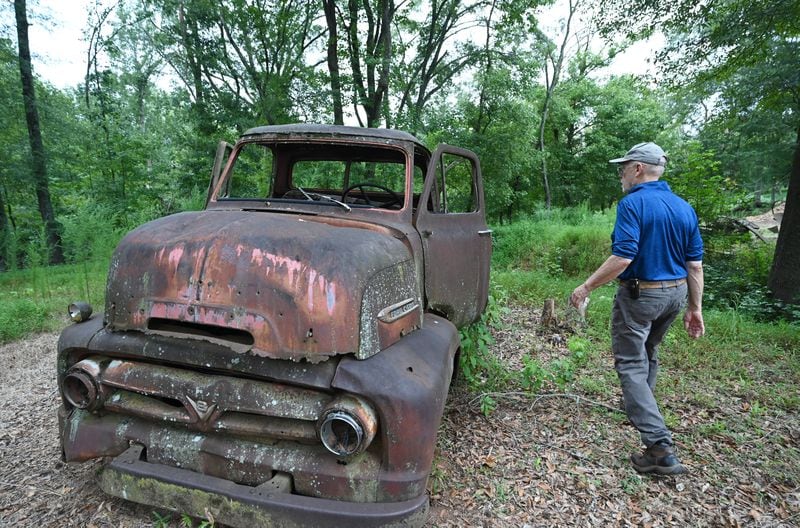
161 521
479 367
533 375
36 299
632 484
488 404
756 409
437 477
501 491
21 316
563 371
187 521
714 428
591 385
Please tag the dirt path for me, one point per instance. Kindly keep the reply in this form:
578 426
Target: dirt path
551 460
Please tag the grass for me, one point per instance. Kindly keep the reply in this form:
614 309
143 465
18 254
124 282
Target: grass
36 299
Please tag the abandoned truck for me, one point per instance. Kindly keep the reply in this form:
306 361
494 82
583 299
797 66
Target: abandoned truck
282 358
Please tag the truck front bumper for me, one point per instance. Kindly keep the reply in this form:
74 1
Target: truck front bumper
130 477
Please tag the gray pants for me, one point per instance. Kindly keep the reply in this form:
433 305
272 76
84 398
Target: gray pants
637 328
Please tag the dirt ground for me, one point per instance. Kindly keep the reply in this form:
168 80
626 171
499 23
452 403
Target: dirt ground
556 459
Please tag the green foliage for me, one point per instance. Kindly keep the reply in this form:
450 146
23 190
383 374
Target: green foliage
561 371
534 375
551 241
700 182
477 365
20 317
593 122
36 299
161 521
737 279
92 233
582 249
188 522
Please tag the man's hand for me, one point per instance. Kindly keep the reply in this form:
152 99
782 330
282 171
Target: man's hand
579 295
693 323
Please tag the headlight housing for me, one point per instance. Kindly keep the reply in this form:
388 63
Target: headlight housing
81 386
347 426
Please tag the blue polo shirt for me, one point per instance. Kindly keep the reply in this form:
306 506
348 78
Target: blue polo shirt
658 231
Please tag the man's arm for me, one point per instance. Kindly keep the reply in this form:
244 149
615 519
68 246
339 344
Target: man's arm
693 318
608 270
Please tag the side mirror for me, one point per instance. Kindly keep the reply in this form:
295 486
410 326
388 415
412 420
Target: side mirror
223 151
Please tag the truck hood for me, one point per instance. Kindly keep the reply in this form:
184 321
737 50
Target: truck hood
270 284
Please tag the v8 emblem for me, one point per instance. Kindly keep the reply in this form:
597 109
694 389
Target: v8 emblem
202 409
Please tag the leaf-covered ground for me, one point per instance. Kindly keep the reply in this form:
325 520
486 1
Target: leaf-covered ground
559 458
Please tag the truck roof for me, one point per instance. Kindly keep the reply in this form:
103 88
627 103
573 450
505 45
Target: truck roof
334 130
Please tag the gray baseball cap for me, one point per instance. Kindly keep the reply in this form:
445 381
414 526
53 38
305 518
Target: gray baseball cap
649 153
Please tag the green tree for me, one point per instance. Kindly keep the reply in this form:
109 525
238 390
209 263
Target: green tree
755 70
241 60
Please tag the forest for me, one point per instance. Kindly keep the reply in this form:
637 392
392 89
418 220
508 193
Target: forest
545 92
525 84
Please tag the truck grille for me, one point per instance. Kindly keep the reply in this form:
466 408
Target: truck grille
199 401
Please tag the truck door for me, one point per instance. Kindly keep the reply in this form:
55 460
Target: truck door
456 242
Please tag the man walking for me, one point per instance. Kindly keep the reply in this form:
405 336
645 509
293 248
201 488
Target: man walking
656 254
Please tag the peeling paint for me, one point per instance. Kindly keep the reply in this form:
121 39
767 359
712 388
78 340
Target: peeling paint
196 346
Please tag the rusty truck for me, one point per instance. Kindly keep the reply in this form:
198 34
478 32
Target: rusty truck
283 357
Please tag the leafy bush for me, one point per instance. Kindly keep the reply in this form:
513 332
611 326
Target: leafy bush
582 249
701 183
478 366
568 241
92 233
737 279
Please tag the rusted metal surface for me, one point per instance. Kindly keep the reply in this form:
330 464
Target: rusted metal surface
182 491
200 401
243 345
408 383
456 249
91 338
314 131
295 286
246 461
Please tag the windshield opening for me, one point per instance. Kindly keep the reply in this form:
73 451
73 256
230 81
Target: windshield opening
333 175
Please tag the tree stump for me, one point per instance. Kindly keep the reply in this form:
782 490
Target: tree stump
549 312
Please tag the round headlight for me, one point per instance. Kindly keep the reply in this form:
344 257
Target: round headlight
341 433
80 389
82 386
347 426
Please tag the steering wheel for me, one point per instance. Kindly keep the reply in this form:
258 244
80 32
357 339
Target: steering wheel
396 200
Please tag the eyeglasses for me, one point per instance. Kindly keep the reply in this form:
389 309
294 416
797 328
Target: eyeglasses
621 167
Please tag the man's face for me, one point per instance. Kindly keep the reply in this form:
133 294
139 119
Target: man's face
627 174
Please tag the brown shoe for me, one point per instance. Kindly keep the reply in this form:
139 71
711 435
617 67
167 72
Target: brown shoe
658 458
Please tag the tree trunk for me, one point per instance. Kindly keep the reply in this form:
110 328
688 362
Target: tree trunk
370 81
333 61
550 88
784 278
51 227
3 234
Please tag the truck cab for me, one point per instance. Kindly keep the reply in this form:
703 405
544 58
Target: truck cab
283 356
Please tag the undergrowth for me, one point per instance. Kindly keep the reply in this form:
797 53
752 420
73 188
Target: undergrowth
749 335
36 299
